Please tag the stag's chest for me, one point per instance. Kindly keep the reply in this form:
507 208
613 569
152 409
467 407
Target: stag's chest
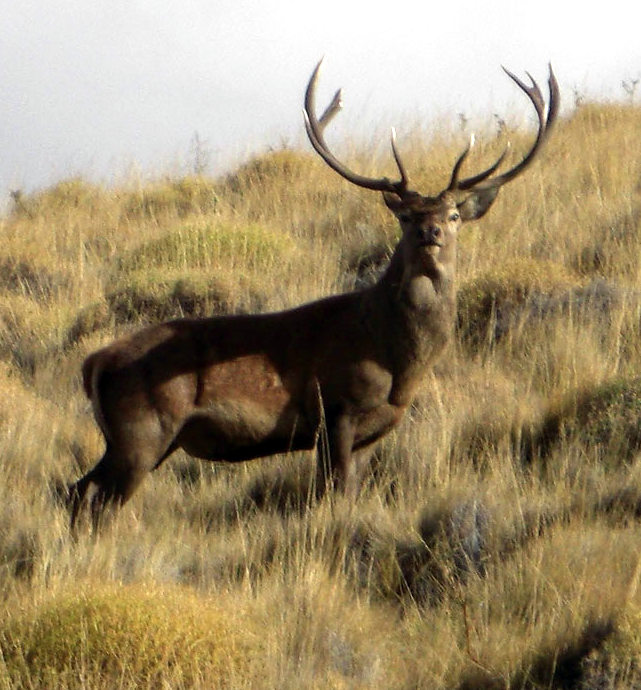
421 335
424 326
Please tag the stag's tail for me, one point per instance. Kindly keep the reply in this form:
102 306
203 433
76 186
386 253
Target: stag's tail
91 373
88 369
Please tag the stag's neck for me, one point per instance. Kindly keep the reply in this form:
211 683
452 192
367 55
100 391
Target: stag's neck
417 294
419 315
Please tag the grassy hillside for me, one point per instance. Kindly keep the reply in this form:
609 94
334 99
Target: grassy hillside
497 541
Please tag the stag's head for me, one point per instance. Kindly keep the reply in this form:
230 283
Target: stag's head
430 224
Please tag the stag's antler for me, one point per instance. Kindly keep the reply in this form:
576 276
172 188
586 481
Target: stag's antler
315 128
481 182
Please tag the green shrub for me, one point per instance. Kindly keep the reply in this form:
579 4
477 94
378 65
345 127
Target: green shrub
154 296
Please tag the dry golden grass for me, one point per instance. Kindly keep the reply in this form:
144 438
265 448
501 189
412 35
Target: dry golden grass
496 543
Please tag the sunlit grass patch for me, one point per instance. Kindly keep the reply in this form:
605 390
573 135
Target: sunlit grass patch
604 248
618 661
550 602
65 196
210 244
274 168
126 636
173 197
329 638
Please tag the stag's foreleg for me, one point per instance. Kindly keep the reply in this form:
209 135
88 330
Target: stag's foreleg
339 466
346 447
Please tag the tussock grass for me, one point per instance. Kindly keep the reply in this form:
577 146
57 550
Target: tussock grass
495 543
106 635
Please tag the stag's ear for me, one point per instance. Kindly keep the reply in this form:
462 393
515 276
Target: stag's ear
393 202
477 204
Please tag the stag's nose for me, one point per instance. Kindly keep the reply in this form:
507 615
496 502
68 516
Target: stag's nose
431 235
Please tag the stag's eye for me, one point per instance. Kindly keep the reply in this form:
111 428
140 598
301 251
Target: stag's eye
454 216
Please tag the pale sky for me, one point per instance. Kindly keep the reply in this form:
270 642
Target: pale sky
96 87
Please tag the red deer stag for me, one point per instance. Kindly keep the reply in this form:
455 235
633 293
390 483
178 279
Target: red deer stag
239 387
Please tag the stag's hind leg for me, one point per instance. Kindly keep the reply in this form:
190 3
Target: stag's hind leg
111 482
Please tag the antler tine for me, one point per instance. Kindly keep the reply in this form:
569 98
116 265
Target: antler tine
533 92
399 163
470 182
555 100
332 109
315 129
457 166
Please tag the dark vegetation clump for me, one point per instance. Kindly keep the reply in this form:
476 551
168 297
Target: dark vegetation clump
23 277
491 303
161 301
365 268
605 420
